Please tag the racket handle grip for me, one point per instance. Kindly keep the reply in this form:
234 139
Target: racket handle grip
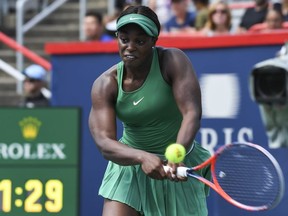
181 171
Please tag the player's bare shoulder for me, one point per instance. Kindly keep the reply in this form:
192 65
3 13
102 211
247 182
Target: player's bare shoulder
170 56
168 52
108 75
106 83
171 60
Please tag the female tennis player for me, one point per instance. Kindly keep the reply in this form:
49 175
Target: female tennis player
154 91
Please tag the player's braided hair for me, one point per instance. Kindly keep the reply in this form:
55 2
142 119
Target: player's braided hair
143 10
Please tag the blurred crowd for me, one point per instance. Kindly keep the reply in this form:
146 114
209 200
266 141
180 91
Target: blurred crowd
194 17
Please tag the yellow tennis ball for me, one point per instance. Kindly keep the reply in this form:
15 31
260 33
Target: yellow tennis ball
175 153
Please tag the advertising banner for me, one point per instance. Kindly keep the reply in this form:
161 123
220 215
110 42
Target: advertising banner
39 161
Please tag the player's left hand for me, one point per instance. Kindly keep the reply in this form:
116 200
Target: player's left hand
172 174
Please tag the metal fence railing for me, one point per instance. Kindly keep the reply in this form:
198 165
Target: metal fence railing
22 27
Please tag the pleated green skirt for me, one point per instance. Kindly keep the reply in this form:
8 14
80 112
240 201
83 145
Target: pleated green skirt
130 185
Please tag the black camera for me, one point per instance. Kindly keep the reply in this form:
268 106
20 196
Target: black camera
269 81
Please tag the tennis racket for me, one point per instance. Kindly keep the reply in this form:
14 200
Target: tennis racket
244 174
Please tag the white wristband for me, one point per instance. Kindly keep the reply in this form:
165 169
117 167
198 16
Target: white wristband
181 171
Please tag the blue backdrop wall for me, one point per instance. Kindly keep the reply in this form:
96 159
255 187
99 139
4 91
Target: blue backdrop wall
229 114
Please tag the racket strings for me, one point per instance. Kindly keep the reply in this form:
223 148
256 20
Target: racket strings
247 176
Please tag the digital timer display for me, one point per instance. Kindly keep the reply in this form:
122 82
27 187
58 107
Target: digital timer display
39 162
53 190
38 190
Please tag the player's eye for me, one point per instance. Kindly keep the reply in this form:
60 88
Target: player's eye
124 40
140 42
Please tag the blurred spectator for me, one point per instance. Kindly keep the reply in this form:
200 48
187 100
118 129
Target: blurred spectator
283 7
253 15
273 21
120 5
202 10
161 8
219 20
182 20
35 80
94 28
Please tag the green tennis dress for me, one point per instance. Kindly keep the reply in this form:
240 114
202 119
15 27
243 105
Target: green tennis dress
151 120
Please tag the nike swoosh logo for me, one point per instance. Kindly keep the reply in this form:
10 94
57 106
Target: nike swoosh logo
135 103
134 18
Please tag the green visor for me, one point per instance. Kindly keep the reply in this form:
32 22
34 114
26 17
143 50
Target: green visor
144 22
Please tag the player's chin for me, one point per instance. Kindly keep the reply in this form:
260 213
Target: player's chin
131 62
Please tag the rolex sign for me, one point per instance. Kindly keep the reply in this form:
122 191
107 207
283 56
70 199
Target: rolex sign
38 135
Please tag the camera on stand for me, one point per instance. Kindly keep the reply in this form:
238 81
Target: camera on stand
269 81
269 89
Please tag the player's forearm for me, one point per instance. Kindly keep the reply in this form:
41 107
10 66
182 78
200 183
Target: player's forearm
121 154
188 130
